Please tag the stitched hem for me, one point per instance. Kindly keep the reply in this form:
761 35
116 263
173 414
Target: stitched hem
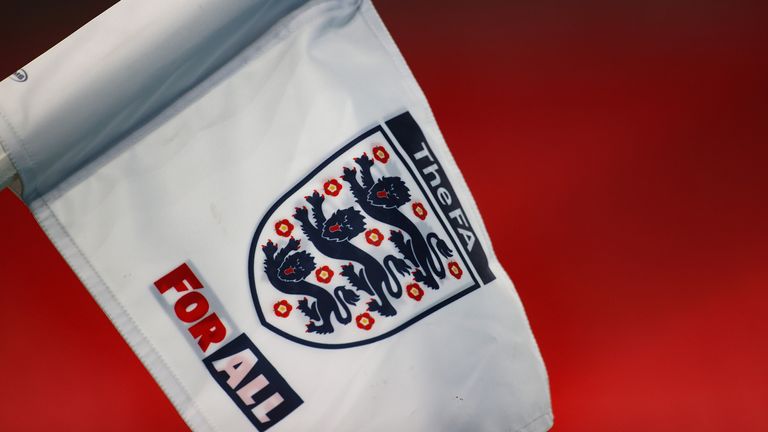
10 142
117 314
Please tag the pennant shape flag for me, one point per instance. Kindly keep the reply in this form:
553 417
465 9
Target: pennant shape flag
257 195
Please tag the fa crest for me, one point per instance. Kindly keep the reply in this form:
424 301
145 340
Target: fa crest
367 244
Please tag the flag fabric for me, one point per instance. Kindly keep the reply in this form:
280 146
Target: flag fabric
258 196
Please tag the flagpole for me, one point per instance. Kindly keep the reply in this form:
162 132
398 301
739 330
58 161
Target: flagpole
7 170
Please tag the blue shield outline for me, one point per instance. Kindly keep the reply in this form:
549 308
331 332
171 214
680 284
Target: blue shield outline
399 153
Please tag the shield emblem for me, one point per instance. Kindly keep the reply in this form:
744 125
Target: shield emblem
358 250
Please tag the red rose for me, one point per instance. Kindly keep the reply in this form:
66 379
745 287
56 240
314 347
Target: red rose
380 154
324 274
365 321
455 270
374 237
283 308
284 228
419 210
332 187
414 291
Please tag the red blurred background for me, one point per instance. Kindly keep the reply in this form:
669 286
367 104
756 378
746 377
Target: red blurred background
632 211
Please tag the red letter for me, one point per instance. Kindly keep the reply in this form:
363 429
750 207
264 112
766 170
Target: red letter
191 307
176 278
209 330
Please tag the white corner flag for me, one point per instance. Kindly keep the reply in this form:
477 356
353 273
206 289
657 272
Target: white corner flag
257 195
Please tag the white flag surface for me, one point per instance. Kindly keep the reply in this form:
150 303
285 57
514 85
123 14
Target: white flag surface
257 195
